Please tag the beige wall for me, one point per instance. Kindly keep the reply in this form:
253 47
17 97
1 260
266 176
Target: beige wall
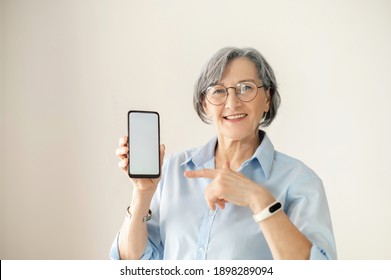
74 68
2 127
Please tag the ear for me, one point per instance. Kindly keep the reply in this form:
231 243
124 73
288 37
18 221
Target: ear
204 105
267 102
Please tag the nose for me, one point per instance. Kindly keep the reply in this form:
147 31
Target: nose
232 100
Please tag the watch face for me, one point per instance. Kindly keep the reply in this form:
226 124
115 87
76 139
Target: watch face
275 207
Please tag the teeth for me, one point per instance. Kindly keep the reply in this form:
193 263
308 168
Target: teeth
233 117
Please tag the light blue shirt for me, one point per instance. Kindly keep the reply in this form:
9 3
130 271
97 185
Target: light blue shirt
183 227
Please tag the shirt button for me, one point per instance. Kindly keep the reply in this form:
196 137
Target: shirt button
202 250
211 213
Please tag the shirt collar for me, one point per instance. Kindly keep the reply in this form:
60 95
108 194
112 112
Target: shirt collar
264 154
202 155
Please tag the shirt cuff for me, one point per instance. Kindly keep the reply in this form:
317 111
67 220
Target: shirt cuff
148 252
114 251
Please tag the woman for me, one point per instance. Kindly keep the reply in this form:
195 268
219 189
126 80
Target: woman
235 197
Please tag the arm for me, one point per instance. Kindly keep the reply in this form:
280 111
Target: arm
287 234
133 236
284 239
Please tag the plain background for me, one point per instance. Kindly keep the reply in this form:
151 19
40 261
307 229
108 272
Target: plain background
70 71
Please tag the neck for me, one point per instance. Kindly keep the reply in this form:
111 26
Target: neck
235 152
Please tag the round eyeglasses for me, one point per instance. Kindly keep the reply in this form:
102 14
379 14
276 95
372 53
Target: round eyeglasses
245 91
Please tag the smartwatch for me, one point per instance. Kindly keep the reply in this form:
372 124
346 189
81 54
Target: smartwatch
267 212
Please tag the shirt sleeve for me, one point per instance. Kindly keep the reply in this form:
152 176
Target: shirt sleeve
307 207
150 252
114 251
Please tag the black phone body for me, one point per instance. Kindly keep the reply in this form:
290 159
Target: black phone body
144 144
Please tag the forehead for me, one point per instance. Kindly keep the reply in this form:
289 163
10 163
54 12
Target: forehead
239 69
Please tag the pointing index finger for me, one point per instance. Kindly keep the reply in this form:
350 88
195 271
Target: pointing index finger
202 173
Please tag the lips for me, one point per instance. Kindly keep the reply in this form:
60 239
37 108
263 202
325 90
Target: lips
235 116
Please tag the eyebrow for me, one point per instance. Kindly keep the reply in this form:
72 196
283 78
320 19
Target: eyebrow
240 81
247 80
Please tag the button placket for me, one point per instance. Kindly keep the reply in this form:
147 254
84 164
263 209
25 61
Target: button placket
204 235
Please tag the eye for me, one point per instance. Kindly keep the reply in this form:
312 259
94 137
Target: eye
246 87
217 90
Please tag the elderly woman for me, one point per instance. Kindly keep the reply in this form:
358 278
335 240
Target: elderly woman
235 197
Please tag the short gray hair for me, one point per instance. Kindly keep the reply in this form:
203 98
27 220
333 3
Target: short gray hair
214 69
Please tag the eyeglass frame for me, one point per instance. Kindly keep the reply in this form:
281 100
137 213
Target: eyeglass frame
236 93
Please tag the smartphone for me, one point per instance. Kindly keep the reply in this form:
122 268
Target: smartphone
144 143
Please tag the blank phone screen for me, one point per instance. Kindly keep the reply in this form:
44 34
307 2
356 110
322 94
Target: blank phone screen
143 144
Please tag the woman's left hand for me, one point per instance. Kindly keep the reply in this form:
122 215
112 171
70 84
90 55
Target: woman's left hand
231 186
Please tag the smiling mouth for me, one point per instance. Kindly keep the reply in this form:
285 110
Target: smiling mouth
235 117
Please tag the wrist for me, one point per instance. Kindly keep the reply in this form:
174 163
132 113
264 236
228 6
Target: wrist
269 211
145 218
141 201
260 200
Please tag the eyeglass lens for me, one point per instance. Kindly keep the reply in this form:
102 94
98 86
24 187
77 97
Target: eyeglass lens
218 94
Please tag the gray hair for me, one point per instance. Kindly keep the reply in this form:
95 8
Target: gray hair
214 69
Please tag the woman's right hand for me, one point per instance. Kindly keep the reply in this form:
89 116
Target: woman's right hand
144 185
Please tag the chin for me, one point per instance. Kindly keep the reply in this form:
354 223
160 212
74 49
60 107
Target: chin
237 133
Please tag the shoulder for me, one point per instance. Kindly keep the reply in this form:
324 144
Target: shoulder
280 166
293 168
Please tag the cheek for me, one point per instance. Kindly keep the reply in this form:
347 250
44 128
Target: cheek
212 111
